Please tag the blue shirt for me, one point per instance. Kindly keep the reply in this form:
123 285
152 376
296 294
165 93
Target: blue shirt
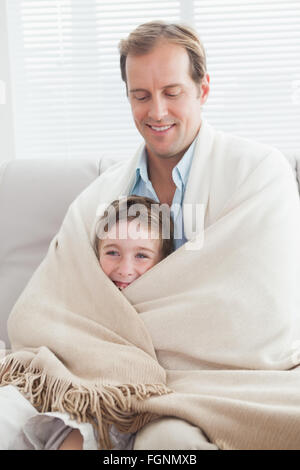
143 187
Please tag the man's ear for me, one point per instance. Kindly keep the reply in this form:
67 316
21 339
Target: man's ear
204 88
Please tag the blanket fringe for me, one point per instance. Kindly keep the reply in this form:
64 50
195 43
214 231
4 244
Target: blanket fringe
99 405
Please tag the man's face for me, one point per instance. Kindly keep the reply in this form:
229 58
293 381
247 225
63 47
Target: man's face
165 101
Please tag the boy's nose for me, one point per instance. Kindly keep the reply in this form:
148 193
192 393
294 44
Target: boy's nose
125 268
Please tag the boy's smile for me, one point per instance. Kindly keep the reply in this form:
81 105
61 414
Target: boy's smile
122 285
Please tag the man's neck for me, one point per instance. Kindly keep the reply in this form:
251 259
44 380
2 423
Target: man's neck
160 175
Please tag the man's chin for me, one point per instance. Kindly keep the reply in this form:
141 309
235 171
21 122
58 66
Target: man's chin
164 153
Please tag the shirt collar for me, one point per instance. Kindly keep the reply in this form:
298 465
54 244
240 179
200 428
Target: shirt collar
141 169
181 170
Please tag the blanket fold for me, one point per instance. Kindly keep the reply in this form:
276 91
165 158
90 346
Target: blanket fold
211 334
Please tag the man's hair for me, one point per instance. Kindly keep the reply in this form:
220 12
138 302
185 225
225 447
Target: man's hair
149 212
146 36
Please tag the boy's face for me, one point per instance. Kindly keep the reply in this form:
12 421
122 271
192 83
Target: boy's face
126 252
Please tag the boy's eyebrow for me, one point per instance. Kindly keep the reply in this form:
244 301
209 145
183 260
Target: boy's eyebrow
110 245
172 85
145 249
113 245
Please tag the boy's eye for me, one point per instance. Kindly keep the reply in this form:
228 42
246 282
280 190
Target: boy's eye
113 253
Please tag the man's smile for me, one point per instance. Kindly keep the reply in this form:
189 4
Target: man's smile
160 130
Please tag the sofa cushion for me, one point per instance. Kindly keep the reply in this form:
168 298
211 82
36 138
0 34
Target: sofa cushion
34 197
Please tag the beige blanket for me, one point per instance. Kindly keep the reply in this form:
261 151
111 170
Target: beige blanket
208 335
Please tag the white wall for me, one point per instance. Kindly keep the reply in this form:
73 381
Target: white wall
6 109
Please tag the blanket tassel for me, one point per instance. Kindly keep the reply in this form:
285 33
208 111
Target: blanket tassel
100 406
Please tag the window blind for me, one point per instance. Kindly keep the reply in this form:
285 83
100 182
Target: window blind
70 102
69 98
253 51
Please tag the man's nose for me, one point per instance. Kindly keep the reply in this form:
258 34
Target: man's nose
158 109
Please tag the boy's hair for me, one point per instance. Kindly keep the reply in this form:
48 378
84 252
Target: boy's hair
146 36
150 213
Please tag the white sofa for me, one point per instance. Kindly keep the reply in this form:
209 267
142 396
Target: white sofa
34 197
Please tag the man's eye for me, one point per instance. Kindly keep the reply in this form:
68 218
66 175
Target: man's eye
173 92
172 95
140 98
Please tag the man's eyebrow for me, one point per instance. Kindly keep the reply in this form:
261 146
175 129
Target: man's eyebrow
172 85
137 89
